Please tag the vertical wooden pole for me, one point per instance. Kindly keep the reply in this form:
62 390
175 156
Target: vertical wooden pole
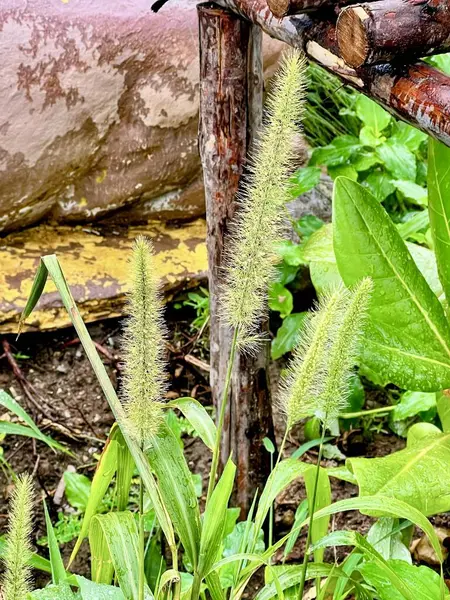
230 111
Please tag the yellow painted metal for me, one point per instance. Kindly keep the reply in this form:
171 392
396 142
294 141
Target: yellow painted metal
96 266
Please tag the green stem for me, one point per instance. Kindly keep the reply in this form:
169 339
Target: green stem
141 543
226 389
177 585
311 518
365 413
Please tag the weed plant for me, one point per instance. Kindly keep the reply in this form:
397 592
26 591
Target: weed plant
381 316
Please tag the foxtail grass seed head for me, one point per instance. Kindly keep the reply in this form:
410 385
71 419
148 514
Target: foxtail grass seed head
343 354
16 578
251 255
143 345
318 377
307 371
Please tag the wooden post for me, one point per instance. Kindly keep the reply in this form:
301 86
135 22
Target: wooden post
393 29
230 109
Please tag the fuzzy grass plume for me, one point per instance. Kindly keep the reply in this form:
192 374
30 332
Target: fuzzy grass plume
343 354
251 255
16 578
317 382
143 344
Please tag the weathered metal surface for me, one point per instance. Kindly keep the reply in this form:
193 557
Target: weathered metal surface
99 110
388 30
394 87
96 266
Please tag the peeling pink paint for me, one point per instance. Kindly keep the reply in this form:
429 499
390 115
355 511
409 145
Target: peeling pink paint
98 110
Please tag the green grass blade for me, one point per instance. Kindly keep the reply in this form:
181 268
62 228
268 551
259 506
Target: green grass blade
54 270
125 468
177 489
214 520
104 473
10 404
58 571
121 535
37 288
198 417
102 569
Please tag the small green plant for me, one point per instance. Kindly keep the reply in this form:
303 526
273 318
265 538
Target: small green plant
199 302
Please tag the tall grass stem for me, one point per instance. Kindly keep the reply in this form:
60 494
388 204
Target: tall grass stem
223 405
311 520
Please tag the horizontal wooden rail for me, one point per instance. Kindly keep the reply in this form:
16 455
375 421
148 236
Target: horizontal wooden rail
418 94
283 8
388 30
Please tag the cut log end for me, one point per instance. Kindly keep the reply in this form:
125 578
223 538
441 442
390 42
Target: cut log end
352 36
279 8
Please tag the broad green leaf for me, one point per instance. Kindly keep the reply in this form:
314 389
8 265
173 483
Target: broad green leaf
58 571
371 114
288 334
336 153
364 161
318 253
104 473
409 136
308 445
90 590
343 171
49 265
54 592
425 582
353 538
198 417
177 489
291 253
400 161
439 207
407 475
214 520
412 191
303 180
413 403
441 62
380 185
369 137
387 540
78 489
407 338
280 299
443 408
9 403
307 225
121 535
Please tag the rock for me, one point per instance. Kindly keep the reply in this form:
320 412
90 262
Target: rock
98 111
96 267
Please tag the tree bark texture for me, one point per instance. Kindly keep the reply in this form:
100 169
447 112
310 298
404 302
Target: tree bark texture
393 30
230 112
418 93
